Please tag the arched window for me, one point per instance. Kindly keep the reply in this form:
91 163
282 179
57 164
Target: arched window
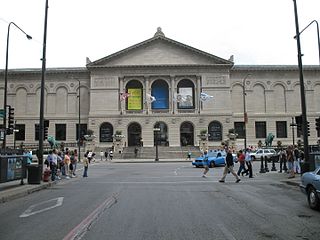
160 90
135 99
106 132
215 131
186 94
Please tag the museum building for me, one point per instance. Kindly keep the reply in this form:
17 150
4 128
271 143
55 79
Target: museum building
115 94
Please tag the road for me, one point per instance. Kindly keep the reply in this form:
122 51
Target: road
160 201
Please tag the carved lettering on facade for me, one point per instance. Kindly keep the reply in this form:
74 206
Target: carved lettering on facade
219 80
103 82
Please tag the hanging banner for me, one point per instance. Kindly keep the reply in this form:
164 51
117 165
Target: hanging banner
135 99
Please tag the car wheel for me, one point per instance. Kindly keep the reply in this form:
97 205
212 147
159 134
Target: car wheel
212 164
313 199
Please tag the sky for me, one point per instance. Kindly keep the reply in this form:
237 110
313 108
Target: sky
256 32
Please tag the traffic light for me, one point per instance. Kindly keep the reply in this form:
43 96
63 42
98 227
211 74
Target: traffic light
10 120
308 125
46 128
299 122
318 124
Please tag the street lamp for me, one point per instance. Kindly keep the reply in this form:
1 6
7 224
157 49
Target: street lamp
156 131
6 81
314 21
302 94
245 115
79 122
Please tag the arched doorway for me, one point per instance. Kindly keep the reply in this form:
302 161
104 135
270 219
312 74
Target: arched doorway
134 134
186 134
215 131
106 132
162 135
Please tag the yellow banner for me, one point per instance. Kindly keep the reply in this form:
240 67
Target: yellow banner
134 99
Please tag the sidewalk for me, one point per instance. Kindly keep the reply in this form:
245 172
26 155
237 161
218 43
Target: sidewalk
12 190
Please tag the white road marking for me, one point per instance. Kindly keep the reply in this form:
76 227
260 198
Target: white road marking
29 212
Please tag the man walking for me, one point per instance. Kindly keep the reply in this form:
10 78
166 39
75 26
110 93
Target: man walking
229 167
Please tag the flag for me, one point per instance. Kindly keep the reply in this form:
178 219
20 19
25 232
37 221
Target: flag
150 98
205 97
124 96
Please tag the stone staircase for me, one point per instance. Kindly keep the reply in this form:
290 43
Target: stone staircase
163 152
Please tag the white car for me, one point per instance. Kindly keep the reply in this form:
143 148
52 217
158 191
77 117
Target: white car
265 152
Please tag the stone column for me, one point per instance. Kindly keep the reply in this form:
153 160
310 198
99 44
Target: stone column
121 90
146 90
173 103
198 103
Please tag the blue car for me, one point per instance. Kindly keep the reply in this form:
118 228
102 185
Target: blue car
215 158
310 185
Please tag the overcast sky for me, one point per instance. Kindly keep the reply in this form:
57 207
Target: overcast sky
254 31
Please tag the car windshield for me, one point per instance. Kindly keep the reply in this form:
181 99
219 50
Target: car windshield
216 153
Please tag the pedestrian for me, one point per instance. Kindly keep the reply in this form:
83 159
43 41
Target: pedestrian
248 161
86 166
136 152
205 163
189 156
241 160
73 162
290 161
296 160
53 165
229 168
101 155
283 161
106 154
67 162
111 154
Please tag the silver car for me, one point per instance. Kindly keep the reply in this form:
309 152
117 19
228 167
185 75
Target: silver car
263 152
310 185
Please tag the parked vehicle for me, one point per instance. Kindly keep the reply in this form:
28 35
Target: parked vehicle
265 152
215 158
310 185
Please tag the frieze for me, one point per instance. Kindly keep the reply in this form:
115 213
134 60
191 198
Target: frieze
216 80
103 82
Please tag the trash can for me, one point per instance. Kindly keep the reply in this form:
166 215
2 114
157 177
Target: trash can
34 174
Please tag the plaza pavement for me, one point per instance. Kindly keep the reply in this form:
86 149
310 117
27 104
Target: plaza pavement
13 189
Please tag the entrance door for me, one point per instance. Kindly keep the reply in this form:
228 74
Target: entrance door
186 134
134 134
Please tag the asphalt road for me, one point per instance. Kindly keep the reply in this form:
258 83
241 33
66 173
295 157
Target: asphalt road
160 201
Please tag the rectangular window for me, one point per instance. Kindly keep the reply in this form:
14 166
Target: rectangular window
261 129
61 132
83 130
239 129
20 132
281 129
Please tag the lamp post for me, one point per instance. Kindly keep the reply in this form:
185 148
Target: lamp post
79 122
302 94
245 116
156 131
43 74
6 81
318 34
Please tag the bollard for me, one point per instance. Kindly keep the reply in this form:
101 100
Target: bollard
266 164
273 164
262 170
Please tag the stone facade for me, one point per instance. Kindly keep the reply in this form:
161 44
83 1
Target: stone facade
272 97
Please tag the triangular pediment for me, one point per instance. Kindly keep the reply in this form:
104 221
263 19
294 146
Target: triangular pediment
159 51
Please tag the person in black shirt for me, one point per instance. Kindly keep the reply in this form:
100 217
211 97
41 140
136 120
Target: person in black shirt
229 167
